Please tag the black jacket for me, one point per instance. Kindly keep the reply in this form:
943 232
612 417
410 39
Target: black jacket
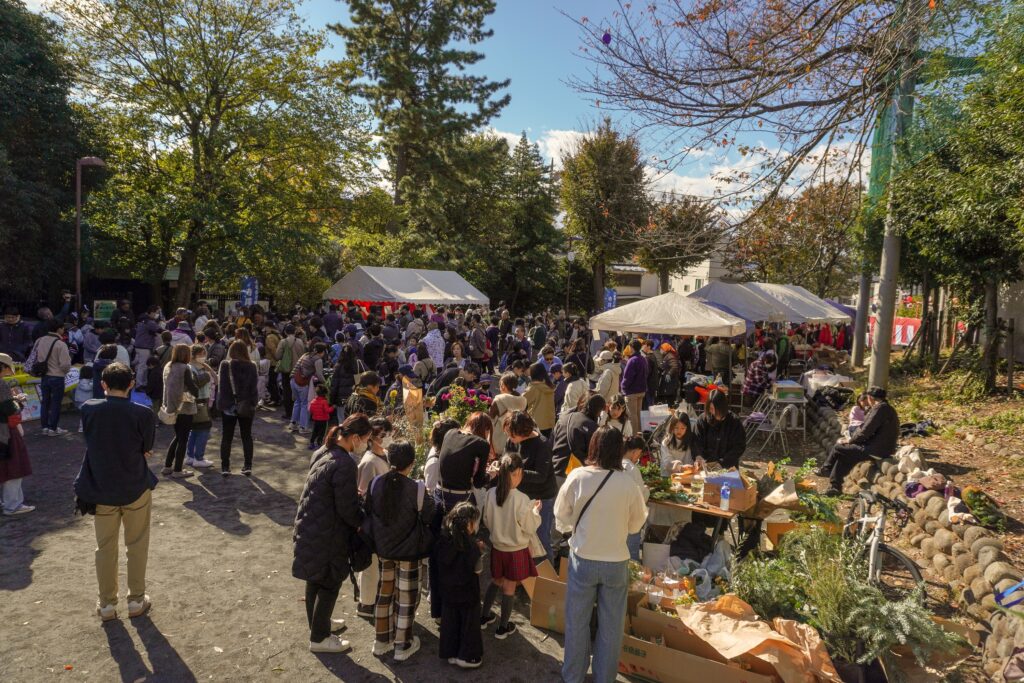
460 584
880 432
343 384
246 380
571 436
722 442
327 516
538 473
118 434
395 537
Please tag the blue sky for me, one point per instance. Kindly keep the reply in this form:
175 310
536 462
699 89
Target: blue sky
535 46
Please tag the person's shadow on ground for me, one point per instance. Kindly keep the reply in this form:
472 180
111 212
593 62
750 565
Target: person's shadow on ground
221 500
166 662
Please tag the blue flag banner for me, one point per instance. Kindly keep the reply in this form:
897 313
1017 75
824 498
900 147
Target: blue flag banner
250 291
611 298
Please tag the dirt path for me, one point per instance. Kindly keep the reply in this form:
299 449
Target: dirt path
226 607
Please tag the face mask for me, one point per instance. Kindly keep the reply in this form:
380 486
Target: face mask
361 448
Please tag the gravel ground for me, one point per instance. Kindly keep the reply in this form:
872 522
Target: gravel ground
225 606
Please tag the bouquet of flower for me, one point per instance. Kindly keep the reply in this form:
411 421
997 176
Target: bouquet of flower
464 402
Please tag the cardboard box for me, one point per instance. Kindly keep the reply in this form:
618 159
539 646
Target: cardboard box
547 596
547 593
670 663
742 493
776 530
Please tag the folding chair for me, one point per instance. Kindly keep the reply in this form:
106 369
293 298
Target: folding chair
776 426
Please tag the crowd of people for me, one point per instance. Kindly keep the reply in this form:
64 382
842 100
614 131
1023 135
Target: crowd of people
546 470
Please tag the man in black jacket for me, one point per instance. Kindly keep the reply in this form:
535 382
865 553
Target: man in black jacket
116 479
876 439
718 435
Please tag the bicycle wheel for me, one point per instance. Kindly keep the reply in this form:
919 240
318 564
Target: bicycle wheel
897 574
859 508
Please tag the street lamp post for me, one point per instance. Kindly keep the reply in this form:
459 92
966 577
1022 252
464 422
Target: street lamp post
85 161
569 257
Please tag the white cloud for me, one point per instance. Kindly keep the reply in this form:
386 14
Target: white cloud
511 138
555 143
36 5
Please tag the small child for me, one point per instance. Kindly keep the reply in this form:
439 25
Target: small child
513 520
458 554
858 413
320 411
262 379
634 448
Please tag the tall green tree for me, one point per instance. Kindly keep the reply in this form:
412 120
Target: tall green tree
681 232
413 57
526 257
270 140
604 197
41 136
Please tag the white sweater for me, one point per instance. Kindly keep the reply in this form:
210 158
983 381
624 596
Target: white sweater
513 524
617 511
630 468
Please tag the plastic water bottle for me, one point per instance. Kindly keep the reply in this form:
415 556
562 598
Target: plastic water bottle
724 504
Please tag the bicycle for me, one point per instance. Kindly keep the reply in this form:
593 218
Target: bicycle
895 574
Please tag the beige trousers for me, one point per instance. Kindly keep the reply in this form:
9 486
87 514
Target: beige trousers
634 404
109 519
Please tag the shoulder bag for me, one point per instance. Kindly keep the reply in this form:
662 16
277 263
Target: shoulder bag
562 547
39 368
243 406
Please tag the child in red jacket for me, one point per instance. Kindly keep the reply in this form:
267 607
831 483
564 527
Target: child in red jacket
320 412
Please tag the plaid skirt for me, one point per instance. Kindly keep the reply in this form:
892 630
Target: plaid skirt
514 566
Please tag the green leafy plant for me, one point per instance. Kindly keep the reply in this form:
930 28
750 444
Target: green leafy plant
816 508
820 578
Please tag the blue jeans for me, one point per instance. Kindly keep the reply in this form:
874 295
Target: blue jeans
633 542
547 520
196 449
608 584
300 411
52 393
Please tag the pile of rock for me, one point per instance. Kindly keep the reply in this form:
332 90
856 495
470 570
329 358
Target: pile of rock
968 556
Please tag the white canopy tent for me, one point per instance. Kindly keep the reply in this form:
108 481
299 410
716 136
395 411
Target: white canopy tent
405 285
669 313
742 301
802 306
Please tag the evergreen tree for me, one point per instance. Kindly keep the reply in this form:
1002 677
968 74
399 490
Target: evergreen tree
413 56
604 199
40 139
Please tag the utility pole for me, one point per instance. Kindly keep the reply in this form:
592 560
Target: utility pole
902 110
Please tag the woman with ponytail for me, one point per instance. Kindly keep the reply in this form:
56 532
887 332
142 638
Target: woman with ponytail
513 520
328 515
400 513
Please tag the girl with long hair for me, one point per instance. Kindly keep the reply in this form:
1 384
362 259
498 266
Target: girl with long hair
459 556
675 447
180 391
399 512
512 519
617 416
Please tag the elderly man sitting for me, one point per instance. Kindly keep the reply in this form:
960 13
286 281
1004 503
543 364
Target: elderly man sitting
876 438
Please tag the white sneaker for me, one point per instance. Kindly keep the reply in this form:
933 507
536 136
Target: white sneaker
410 649
201 464
292 427
305 430
337 624
330 644
381 649
20 510
188 462
137 609
59 432
106 613
46 431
